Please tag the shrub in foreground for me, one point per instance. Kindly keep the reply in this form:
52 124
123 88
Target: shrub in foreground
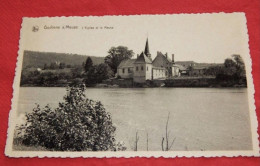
77 124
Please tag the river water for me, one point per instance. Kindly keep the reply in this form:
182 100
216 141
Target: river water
200 118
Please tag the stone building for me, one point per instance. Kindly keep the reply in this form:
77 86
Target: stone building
144 68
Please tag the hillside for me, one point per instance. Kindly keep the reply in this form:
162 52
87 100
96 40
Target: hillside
38 59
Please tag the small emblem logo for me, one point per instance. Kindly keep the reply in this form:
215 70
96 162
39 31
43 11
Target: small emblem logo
35 28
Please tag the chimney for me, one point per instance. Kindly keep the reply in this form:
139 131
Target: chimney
166 55
172 57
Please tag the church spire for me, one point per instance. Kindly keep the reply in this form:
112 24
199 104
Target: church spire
146 50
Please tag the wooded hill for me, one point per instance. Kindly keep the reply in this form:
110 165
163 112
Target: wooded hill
38 59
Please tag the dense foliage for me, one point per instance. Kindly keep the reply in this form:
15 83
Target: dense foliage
232 72
61 75
62 70
228 74
88 64
97 74
116 55
232 66
77 124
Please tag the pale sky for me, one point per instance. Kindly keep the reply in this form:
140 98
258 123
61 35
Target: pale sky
199 37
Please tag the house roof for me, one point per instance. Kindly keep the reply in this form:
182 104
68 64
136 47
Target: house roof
180 67
127 63
161 60
143 59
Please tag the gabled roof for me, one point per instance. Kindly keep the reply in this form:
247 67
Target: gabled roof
161 60
127 63
143 59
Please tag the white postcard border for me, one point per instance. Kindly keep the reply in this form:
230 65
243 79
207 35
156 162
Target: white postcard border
170 154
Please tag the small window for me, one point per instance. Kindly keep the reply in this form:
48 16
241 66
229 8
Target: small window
129 71
123 70
136 68
142 68
147 68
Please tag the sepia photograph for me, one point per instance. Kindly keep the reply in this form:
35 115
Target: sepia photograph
125 86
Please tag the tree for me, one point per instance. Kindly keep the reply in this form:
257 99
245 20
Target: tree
68 66
233 72
62 65
97 74
45 66
116 55
53 66
229 63
214 70
240 65
239 61
190 68
88 64
77 124
235 66
90 78
103 72
77 72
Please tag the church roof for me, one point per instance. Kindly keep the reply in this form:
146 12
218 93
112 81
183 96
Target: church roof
127 63
146 50
143 59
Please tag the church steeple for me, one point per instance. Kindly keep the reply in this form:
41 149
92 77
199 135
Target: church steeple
146 50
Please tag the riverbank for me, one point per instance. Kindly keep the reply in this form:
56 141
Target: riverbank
178 83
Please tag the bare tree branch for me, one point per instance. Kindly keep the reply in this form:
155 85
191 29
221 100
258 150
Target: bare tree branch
136 141
162 143
147 145
172 143
167 136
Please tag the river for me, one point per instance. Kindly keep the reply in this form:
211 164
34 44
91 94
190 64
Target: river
200 118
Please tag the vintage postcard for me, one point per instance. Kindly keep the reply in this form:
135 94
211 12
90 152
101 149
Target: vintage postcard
126 86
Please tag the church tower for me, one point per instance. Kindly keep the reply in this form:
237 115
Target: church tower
147 51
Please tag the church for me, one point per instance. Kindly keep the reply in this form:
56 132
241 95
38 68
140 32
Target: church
143 68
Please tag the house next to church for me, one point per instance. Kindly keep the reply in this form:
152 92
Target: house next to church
144 68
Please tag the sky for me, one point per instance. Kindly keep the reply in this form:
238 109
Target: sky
207 38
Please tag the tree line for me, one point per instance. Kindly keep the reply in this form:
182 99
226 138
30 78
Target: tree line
61 74
232 72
